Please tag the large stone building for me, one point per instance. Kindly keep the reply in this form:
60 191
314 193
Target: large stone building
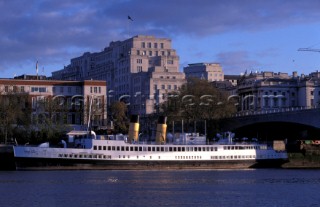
268 90
206 71
66 102
139 70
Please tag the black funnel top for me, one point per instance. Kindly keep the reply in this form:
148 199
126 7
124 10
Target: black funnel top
134 119
162 120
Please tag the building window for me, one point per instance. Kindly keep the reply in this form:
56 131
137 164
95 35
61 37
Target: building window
149 44
163 87
139 68
150 53
155 45
139 61
311 93
170 62
161 45
143 44
22 89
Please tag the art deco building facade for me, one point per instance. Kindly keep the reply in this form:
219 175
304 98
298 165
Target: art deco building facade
65 102
138 70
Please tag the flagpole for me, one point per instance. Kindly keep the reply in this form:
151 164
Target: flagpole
37 69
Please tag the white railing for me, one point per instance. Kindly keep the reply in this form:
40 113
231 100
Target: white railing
272 111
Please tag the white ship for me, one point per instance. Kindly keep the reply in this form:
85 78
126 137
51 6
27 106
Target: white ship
83 150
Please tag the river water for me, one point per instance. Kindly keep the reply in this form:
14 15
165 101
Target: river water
196 188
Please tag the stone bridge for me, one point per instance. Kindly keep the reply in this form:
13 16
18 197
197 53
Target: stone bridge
302 116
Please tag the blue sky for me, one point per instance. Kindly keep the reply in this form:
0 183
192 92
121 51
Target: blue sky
241 35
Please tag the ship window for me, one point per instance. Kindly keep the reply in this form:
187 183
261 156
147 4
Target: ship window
60 155
228 147
153 149
70 155
144 149
149 148
80 156
135 148
150 157
174 149
119 156
166 149
159 157
104 148
122 148
124 156
158 149
65 155
140 148
183 149
118 148
199 149
203 149
162 149
109 148
127 148
170 149
113 148
94 147
90 156
195 149
131 148
187 149
224 147
179 149
100 148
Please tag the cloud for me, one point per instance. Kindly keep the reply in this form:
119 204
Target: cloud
57 31
237 62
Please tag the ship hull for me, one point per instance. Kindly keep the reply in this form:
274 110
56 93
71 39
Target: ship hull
72 164
6 157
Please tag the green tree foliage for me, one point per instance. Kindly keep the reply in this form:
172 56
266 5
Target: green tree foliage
119 117
50 119
14 114
197 100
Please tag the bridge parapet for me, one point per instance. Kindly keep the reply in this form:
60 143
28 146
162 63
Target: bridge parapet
304 116
272 111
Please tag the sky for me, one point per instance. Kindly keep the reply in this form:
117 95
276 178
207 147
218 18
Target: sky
241 35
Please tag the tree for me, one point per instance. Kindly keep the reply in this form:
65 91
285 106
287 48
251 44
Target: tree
197 100
50 119
14 113
119 117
